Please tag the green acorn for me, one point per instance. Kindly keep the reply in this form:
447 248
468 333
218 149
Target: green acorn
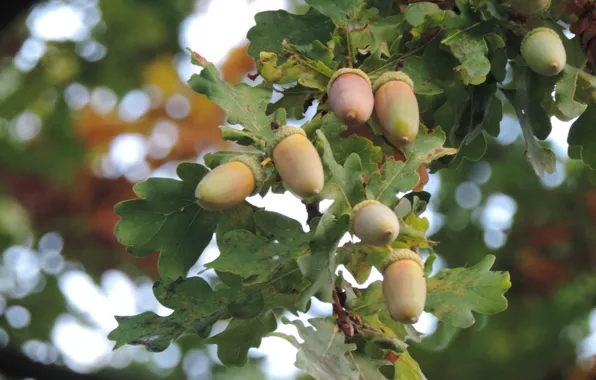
350 96
529 7
404 286
396 107
543 51
230 183
297 162
374 223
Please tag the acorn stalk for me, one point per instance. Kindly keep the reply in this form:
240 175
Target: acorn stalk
404 286
396 107
544 52
230 183
297 162
350 96
374 223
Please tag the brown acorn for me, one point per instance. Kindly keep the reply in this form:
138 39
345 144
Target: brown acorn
396 108
350 96
374 223
229 184
404 286
297 162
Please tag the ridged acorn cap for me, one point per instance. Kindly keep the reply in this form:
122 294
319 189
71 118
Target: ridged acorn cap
297 162
374 223
343 71
350 96
255 167
404 286
544 52
390 76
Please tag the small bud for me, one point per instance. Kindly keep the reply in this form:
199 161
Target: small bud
529 7
404 286
396 107
297 162
374 223
350 96
543 51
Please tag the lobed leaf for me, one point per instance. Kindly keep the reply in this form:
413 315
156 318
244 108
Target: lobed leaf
454 293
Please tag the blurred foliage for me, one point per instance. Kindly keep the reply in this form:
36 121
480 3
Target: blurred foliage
55 182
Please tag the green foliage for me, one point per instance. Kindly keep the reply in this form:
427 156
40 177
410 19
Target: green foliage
454 293
466 69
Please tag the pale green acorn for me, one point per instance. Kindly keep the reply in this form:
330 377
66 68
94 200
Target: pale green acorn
529 7
229 184
350 96
404 286
297 162
543 51
396 107
374 223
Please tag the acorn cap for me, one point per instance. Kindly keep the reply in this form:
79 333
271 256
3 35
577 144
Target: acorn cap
390 76
343 71
402 254
282 133
538 30
255 167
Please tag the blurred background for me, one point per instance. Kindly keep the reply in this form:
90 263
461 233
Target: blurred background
93 98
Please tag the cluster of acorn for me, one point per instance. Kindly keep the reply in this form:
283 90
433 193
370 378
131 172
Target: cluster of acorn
541 48
353 99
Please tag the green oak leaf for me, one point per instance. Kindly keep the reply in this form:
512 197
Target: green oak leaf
254 258
472 52
582 136
297 68
244 105
167 218
273 27
343 183
452 294
359 259
240 335
147 329
318 267
343 147
422 77
295 100
324 353
399 176
197 308
417 12
407 368
378 36
344 11
564 106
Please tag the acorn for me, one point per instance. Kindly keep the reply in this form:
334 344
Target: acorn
297 162
396 107
230 183
543 51
404 286
374 223
529 7
350 96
